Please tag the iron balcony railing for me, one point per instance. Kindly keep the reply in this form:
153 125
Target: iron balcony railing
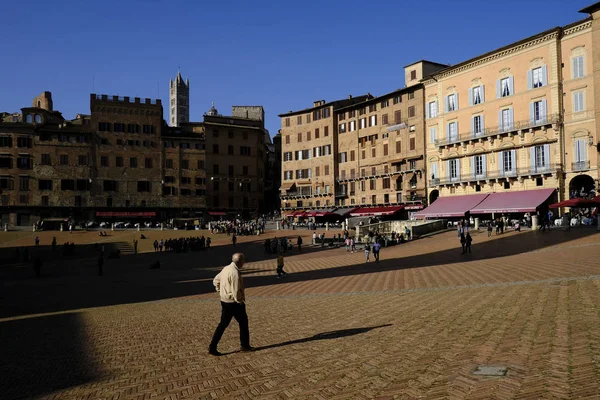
516 172
580 165
497 130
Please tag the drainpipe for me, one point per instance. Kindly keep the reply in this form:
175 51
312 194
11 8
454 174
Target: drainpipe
561 126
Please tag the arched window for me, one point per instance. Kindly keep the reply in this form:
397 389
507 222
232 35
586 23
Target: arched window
38 119
29 118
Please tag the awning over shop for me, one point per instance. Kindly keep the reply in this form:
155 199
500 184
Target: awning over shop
451 206
299 213
344 211
321 213
125 214
55 220
413 207
217 213
578 203
513 202
287 185
375 211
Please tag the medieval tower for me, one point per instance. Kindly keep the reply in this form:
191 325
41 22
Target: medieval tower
180 100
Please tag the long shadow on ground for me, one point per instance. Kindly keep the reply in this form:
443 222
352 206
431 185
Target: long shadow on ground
44 354
129 281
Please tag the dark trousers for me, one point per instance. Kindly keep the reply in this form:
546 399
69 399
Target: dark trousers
228 311
376 255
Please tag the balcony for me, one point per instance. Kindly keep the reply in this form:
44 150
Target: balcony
580 166
381 172
494 175
498 130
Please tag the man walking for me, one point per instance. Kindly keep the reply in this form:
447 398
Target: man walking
376 248
230 285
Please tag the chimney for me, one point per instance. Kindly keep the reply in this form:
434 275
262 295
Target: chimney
349 97
316 103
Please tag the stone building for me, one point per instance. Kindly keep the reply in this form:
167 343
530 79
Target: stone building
122 162
517 124
309 155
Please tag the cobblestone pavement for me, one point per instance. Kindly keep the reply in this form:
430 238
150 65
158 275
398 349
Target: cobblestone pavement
413 326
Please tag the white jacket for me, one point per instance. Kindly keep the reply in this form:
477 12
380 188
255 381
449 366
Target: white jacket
230 285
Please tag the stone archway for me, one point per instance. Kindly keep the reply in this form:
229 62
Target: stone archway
580 182
433 195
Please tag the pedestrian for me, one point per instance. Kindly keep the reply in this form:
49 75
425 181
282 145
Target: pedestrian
407 232
208 243
352 245
367 251
234 239
37 241
155 246
280 264
468 241
54 244
135 246
347 244
230 285
489 229
376 249
160 245
299 244
463 242
322 240
314 238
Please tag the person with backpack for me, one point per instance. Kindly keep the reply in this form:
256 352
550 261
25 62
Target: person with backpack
367 251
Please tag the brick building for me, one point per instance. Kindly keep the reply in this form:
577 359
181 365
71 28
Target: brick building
123 162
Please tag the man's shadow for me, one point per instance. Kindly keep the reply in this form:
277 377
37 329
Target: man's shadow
323 336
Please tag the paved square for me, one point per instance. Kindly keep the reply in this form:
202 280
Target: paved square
415 325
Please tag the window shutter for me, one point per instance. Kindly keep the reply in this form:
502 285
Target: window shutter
501 163
473 162
532 112
458 168
543 115
500 119
583 150
483 163
529 80
498 89
532 157
575 65
448 175
470 96
427 115
473 126
511 85
445 103
434 170
544 75
510 118
513 160
375 119
456 101
437 110
547 155
577 150
482 124
482 93
448 131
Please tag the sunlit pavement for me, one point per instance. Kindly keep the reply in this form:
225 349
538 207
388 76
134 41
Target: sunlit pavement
414 325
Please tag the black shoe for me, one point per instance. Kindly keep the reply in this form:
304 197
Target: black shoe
247 349
214 352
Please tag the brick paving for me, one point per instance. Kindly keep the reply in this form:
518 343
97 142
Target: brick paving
413 326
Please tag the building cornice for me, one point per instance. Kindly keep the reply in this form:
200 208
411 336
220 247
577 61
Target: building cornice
512 49
577 28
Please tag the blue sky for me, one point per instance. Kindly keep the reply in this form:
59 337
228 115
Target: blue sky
282 55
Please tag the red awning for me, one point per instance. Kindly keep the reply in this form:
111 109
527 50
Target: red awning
217 213
578 203
513 202
125 214
375 211
413 207
451 206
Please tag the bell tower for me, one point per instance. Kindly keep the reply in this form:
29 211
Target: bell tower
179 105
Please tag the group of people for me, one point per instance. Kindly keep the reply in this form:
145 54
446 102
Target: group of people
182 245
281 245
465 237
237 227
